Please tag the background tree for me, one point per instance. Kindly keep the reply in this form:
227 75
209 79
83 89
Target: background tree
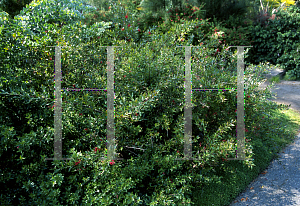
221 10
163 5
214 8
13 7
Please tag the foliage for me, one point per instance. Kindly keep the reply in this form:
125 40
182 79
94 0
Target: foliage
227 8
13 7
277 3
222 10
264 10
148 18
145 84
100 4
284 28
239 35
26 93
4 20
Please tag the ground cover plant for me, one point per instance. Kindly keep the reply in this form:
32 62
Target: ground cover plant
149 79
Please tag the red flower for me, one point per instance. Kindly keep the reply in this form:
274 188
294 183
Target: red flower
149 32
85 129
96 149
112 162
122 29
128 25
50 58
139 30
46 31
98 37
126 16
76 163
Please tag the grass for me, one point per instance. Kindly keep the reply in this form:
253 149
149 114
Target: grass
278 79
275 79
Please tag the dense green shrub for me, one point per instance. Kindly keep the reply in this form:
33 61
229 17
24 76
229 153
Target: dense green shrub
149 78
25 97
283 28
238 31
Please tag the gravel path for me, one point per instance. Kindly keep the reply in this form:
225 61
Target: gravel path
288 92
279 184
